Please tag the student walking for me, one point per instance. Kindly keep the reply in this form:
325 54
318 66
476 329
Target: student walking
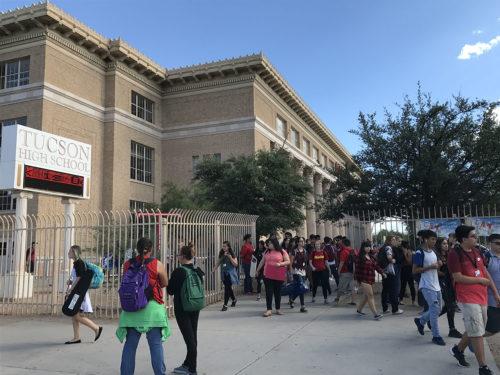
426 263
366 266
229 273
298 264
246 253
447 288
318 261
472 281
407 274
79 272
493 261
259 253
275 263
386 261
346 267
186 320
151 319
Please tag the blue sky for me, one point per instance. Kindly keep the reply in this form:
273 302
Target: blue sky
341 56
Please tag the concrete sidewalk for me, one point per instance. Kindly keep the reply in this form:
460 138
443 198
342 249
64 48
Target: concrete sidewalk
324 341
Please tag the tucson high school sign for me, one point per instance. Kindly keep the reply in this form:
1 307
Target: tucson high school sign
37 161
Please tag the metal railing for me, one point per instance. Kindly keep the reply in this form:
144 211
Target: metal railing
107 239
406 222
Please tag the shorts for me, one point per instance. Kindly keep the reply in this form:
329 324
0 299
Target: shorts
475 318
345 283
493 325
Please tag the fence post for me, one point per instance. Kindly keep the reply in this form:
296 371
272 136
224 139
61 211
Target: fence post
218 244
56 274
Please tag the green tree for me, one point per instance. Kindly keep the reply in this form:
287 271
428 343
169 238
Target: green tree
268 184
429 154
177 197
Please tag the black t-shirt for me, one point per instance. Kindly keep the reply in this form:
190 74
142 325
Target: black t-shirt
80 268
398 255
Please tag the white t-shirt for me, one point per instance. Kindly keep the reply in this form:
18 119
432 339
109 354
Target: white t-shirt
429 279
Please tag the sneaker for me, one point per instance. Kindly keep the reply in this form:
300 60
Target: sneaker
459 356
360 313
386 311
419 325
192 373
233 303
485 370
438 341
401 303
378 316
290 302
455 334
224 308
326 302
313 300
399 312
181 370
352 303
303 309
258 297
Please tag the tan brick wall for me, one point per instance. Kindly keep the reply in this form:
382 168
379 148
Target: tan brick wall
178 154
208 106
81 78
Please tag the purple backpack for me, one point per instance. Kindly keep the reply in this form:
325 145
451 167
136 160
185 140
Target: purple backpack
134 288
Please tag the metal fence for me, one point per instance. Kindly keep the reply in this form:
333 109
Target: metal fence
35 285
376 225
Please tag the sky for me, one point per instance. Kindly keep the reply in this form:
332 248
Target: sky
340 56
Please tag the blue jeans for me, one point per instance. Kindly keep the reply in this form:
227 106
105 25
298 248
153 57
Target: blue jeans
248 280
433 299
155 348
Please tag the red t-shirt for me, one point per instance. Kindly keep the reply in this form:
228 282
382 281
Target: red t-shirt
468 263
246 253
318 258
344 257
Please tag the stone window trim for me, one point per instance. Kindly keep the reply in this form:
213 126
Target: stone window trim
12 121
295 137
142 107
14 73
306 146
141 163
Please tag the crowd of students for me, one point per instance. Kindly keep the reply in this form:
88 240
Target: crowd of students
455 270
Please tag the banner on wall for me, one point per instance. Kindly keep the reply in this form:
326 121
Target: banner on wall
486 225
442 227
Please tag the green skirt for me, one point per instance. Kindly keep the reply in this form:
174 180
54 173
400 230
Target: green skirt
153 315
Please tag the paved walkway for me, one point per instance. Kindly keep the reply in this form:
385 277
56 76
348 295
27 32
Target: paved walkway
239 342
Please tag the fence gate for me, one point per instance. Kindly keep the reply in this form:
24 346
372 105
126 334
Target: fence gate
34 283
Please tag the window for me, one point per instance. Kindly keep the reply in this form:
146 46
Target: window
325 162
137 206
281 126
315 153
14 73
15 121
294 137
6 201
306 147
141 162
142 107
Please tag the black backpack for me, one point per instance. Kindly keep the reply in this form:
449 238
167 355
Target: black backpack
382 260
350 262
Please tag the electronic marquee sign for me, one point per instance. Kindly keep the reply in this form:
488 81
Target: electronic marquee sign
41 162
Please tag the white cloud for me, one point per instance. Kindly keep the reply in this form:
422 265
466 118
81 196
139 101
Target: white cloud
477 32
496 113
478 49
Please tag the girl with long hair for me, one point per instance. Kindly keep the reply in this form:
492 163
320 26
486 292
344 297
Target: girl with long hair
298 264
275 263
365 269
229 272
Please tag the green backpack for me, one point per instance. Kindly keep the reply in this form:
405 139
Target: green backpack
192 291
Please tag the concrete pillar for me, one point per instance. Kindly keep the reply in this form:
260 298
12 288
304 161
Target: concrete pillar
318 194
302 230
18 283
310 209
69 230
328 223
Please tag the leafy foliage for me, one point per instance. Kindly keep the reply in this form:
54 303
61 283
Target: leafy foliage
429 154
268 184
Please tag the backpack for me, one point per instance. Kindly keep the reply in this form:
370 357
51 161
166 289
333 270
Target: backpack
192 291
134 288
382 260
98 275
331 252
